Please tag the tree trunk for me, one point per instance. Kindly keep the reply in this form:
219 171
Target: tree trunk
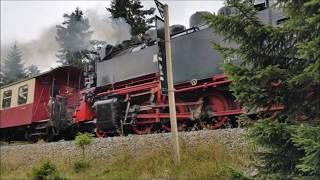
83 154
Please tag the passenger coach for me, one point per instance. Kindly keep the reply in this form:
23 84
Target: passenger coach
32 108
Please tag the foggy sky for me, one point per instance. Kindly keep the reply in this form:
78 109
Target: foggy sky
31 22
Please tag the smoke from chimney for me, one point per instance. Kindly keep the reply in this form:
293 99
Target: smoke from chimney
113 31
42 51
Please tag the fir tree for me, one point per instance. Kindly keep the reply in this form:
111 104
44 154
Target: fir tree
1 73
1 78
32 71
278 65
132 12
74 37
13 68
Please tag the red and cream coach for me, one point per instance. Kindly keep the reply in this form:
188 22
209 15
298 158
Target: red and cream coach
40 106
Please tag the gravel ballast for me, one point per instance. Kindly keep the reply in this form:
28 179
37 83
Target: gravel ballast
108 147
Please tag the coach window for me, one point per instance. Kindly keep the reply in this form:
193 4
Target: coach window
6 101
22 94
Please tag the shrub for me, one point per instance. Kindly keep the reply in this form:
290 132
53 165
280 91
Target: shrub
80 165
307 138
288 150
234 174
46 171
82 140
278 153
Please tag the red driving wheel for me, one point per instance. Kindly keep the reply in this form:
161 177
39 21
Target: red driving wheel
100 133
180 123
215 102
141 129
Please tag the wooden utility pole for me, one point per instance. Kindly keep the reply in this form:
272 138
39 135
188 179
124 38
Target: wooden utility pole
172 104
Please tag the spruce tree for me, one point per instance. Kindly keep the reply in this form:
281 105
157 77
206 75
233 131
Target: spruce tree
132 12
32 70
279 65
13 67
1 73
1 78
74 37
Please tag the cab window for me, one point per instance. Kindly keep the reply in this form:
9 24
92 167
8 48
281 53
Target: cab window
6 101
22 94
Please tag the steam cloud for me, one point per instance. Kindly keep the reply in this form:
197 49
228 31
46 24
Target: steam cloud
42 51
113 31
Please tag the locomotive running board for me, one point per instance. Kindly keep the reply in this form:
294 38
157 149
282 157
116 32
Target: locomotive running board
189 115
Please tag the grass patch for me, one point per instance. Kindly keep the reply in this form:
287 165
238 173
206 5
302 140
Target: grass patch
204 162
81 165
208 161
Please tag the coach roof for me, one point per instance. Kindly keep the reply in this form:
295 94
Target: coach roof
41 74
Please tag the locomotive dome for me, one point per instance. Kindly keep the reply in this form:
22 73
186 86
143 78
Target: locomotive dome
227 10
197 19
176 28
151 34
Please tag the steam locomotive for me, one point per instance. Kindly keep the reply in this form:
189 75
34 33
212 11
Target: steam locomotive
121 91
123 88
